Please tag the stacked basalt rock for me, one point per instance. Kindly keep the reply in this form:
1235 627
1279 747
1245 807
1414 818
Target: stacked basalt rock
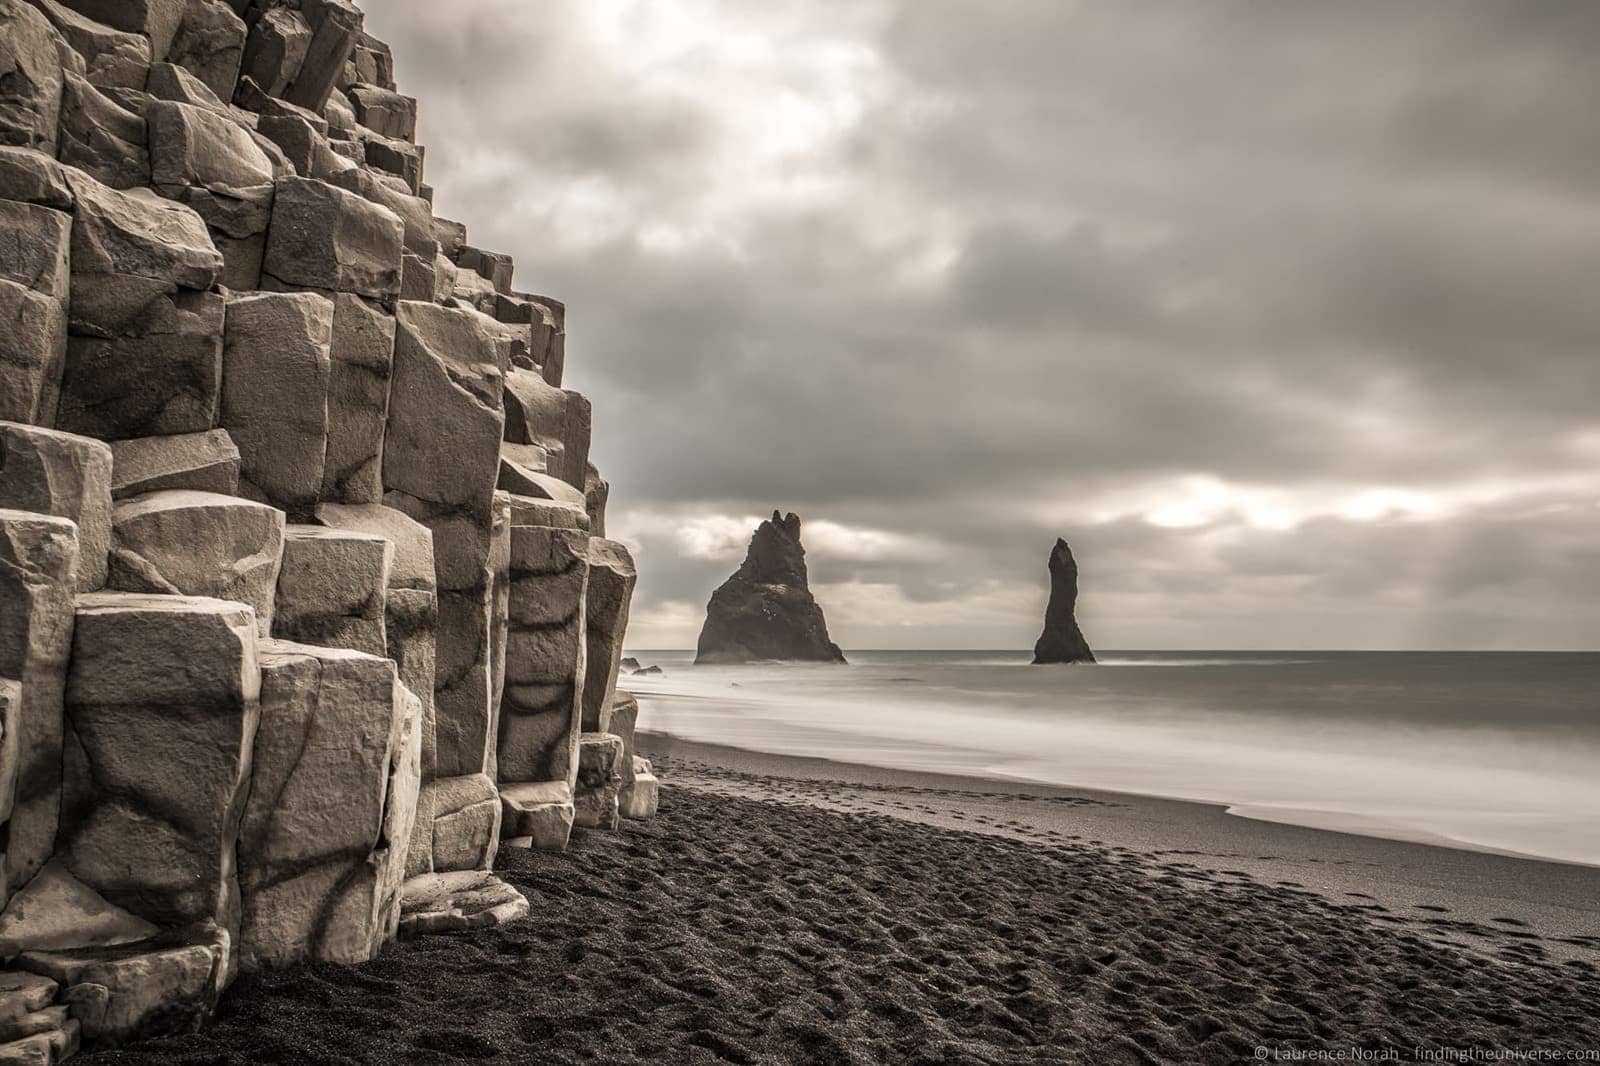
305 603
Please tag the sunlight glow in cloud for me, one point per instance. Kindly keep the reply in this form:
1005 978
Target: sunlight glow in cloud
1196 502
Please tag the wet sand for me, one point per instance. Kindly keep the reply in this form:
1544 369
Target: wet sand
799 911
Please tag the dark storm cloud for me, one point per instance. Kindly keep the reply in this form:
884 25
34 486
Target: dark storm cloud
963 276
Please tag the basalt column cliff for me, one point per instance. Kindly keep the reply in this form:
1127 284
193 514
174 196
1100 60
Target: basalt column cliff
305 603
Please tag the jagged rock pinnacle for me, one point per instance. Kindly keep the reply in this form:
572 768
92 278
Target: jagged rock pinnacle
766 610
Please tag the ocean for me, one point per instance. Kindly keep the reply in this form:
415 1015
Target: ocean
1497 751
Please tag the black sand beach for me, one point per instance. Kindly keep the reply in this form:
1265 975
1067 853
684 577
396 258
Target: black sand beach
1458 891
831 915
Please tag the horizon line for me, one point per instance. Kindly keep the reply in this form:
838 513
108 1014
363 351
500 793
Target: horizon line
1229 651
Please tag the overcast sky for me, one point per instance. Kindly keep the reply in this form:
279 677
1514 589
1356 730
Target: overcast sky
1285 314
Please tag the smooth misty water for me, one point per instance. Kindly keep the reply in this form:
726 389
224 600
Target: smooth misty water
1496 750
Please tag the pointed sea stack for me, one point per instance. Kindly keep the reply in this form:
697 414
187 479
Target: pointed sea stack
1062 641
766 610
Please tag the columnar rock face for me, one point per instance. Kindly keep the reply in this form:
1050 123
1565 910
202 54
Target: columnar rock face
206 462
169 82
409 600
201 158
294 513
362 356
596 493
276 48
112 58
542 713
30 98
210 45
537 813
64 475
58 912
550 336
1062 641
38 562
640 796
29 177
384 112
333 589
524 472
156 20
557 420
163 700
766 610
560 514
333 788
161 374
34 287
410 620
119 238
464 636
102 138
327 239
611 580
499 618
638 791
595 799
466 822
184 543
275 375
448 384
144 354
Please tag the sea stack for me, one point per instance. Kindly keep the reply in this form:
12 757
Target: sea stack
766 610
1062 641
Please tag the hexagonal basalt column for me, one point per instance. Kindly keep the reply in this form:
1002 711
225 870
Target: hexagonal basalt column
333 796
595 799
611 579
446 393
64 475
275 376
542 708
33 310
185 543
163 700
330 240
38 558
333 588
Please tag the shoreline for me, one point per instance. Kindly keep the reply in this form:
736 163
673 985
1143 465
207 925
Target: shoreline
1456 766
1457 891
1342 822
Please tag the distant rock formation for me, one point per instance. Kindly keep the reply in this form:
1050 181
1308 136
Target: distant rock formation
766 610
1062 641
